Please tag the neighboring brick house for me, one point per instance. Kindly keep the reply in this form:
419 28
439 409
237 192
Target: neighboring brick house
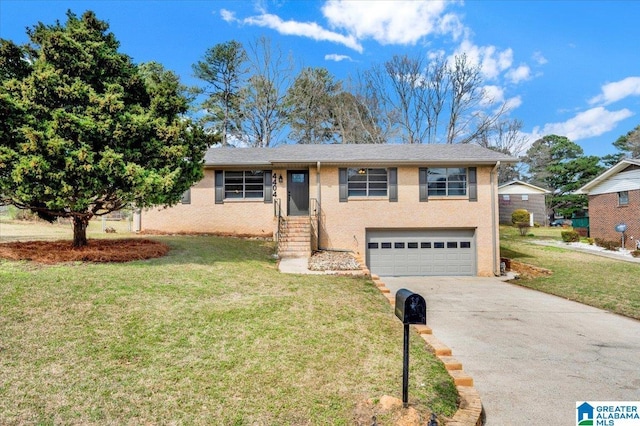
407 209
614 198
516 195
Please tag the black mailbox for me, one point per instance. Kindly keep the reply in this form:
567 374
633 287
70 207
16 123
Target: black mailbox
410 307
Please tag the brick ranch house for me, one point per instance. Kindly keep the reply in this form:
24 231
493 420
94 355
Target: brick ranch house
516 195
614 198
407 209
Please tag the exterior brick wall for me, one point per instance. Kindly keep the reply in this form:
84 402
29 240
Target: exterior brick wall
343 224
202 215
605 214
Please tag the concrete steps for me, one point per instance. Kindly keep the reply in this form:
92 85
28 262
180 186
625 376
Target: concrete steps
295 237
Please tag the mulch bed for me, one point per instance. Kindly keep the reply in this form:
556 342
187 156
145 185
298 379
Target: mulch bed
116 250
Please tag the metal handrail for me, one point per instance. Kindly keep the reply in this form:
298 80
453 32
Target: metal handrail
277 212
314 220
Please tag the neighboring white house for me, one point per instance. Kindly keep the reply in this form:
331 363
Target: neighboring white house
614 199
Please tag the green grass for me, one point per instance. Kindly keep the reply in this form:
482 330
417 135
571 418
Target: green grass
212 333
605 283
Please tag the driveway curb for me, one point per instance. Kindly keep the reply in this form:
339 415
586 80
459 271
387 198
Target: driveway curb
470 412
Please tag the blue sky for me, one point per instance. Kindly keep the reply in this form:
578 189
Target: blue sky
570 68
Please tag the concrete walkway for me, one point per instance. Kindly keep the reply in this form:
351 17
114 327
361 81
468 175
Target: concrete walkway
296 265
532 355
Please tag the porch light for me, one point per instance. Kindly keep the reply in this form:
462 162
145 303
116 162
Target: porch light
362 171
280 179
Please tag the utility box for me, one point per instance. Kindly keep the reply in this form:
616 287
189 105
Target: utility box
411 308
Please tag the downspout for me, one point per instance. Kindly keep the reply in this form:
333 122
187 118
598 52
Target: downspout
494 221
318 202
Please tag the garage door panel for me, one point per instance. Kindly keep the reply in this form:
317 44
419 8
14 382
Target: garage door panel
421 252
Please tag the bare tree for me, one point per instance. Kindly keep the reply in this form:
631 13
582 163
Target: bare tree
263 96
357 117
505 136
434 102
469 103
438 86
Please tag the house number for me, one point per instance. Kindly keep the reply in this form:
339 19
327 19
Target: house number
274 182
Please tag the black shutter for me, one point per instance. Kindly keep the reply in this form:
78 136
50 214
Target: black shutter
267 187
473 184
219 186
422 183
392 175
343 189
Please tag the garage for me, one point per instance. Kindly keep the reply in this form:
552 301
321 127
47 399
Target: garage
416 252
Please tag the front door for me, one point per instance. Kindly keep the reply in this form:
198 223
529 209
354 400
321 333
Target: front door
298 192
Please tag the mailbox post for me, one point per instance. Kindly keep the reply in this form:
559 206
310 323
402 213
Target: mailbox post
411 308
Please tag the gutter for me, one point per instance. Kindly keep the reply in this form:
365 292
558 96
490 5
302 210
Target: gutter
494 221
318 202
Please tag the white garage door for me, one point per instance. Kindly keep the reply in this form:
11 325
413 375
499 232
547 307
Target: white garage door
421 252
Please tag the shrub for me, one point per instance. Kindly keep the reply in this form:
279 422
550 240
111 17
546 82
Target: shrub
523 227
607 244
21 214
590 241
519 216
635 253
570 236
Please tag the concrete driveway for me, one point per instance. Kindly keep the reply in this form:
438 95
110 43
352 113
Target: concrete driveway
532 355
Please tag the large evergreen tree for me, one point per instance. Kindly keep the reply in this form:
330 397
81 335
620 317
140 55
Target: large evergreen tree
309 106
628 146
224 69
558 164
85 131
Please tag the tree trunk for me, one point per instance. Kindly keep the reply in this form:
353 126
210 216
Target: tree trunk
80 224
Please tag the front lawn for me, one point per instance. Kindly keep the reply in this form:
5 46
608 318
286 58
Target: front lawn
212 333
605 283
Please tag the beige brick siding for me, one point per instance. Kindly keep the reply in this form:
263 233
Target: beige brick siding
605 214
202 215
343 224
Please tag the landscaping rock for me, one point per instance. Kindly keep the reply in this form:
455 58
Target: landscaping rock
328 260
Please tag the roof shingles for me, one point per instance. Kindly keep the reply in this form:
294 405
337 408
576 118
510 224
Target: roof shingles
356 153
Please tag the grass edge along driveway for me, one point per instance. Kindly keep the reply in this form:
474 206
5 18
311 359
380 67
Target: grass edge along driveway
610 284
210 334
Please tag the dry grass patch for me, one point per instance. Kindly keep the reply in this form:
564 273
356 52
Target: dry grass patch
50 252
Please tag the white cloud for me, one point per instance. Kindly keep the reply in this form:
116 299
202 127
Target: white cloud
491 61
587 124
513 103
492 95
227 15
451 24
304 29
539 59
612 92
390 22
516 75
337 58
